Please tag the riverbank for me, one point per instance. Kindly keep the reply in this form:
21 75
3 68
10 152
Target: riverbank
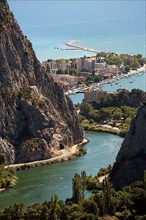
65 154
103 128
2 189
7 179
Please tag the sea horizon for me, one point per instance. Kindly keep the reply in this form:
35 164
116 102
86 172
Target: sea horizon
108 26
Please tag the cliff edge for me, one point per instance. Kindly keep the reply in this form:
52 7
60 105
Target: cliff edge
36 118
131 159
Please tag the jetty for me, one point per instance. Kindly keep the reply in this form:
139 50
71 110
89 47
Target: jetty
72 45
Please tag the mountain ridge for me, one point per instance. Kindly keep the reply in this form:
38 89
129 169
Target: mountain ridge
36 117
131 159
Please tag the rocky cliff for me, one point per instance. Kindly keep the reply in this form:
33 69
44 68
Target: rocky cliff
36 118
131 159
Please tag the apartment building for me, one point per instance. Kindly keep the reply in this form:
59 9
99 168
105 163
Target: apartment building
94 95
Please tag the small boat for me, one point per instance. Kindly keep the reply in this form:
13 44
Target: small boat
131 81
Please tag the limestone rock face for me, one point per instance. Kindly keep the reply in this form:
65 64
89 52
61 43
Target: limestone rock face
36 118
131 159
7 150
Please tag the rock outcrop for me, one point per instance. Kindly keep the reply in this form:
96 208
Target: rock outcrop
131 159
36 118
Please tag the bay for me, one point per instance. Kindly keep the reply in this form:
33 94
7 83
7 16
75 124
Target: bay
117 26
40 183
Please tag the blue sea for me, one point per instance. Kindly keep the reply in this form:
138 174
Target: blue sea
117 26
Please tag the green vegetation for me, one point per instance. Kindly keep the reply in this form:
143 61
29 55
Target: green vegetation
72 72
7 178
126 204
123 97
123 113
124 62
115 59
116 110
82 151
104 171
25 93
93 79
94 120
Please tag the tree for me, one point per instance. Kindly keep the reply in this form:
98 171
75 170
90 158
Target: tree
117 114
2 159
116 60
77 192
139 56
127 68
15 211
83 181
89 79
98 78
66 72
54 208
86 110
135 64
90 206
48 68
59 71
73 72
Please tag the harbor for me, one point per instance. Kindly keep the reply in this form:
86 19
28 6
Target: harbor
122 83
117 82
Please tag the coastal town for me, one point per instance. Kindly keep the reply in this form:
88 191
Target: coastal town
68 156
88 74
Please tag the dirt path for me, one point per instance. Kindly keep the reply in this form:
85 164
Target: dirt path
65 154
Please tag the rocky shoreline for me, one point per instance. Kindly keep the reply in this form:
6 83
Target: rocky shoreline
66 154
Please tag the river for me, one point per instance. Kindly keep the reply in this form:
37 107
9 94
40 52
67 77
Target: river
40 183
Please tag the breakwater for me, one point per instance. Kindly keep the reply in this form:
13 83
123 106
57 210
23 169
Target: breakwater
75 47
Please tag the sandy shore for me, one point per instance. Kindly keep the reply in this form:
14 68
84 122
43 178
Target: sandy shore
3 189
66 154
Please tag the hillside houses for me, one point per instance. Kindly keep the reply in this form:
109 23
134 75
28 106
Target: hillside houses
81 65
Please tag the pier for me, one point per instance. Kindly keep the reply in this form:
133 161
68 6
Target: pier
72 44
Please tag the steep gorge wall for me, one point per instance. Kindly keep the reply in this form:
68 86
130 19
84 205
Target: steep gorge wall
36 118
131 159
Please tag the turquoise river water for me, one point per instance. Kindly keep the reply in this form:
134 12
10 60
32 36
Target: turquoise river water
40 183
